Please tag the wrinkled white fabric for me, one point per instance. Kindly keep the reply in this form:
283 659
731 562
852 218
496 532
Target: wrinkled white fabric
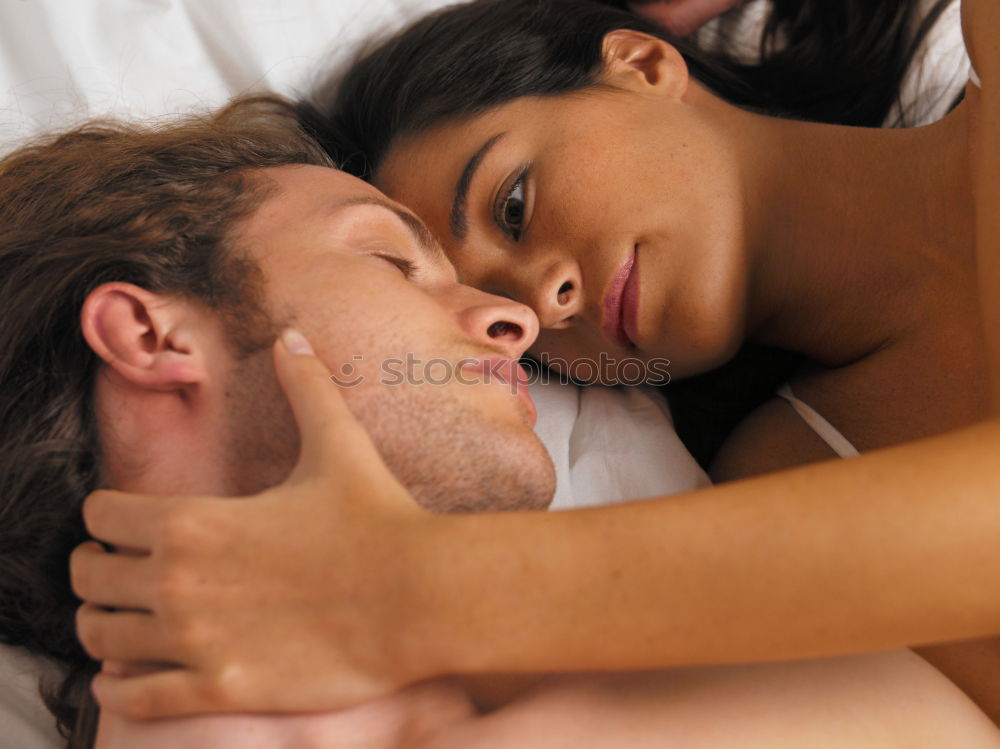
63 61
25 723
611 444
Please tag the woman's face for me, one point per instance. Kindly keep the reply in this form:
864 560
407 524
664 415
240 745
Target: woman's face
615 214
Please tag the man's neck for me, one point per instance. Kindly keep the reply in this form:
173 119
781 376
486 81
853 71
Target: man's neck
163 444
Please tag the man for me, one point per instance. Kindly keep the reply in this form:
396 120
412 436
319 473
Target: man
146 274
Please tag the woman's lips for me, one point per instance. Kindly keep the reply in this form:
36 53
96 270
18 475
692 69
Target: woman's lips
630 303
621 305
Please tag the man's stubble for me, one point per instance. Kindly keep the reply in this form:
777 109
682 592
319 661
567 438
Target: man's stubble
450 455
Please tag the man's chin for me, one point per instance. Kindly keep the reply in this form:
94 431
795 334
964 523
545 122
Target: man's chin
457 454
522 477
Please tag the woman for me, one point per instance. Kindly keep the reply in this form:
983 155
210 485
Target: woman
639 213
805 71
912 204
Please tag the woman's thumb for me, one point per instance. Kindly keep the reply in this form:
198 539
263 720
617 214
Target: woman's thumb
327 428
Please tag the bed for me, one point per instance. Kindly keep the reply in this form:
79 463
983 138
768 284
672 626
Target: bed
62 62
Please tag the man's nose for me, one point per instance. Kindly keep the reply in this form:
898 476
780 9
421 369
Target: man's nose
500 323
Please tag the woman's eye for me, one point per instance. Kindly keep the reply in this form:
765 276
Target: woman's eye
510 208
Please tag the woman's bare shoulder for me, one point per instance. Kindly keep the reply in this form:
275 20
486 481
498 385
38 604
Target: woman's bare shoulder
980 24
773 437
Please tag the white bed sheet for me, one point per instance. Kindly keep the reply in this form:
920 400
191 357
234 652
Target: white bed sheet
61 60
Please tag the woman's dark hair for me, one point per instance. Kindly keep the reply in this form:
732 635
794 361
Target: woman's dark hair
837 61
107 201
840 61
468 58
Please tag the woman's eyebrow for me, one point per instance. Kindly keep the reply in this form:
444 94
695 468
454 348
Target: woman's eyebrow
459 221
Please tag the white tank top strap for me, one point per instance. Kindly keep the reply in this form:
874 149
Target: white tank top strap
823 428
974 77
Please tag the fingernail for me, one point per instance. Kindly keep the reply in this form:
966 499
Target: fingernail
296 342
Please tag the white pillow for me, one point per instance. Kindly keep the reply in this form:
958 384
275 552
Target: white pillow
25 723
63 61
611 445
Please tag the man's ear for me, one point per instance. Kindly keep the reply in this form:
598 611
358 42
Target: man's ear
639 62
148 339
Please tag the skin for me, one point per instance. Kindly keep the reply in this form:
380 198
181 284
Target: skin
740 230
162 408
751 570
180 412
582 219
682 17
736 246
345 243
867 701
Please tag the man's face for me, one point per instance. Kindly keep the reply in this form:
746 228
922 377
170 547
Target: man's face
361 278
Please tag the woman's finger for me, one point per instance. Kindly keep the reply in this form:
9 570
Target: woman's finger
128 636
121 519
326 425
171 692
107 578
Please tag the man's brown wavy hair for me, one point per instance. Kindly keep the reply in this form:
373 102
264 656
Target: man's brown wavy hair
151 205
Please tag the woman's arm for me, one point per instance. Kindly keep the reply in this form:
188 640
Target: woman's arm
895 548
364 592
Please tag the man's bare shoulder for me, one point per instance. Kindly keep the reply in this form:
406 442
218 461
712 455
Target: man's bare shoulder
771 438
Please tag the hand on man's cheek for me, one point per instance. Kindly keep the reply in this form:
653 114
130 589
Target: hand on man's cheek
397 720
240 596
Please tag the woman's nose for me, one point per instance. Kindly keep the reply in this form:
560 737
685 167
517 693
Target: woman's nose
557 295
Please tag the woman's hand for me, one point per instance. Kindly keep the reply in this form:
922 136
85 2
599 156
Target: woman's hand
403 720
241 731
682 17
268 603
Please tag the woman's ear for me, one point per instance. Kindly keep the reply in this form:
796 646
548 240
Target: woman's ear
148 339
639 62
